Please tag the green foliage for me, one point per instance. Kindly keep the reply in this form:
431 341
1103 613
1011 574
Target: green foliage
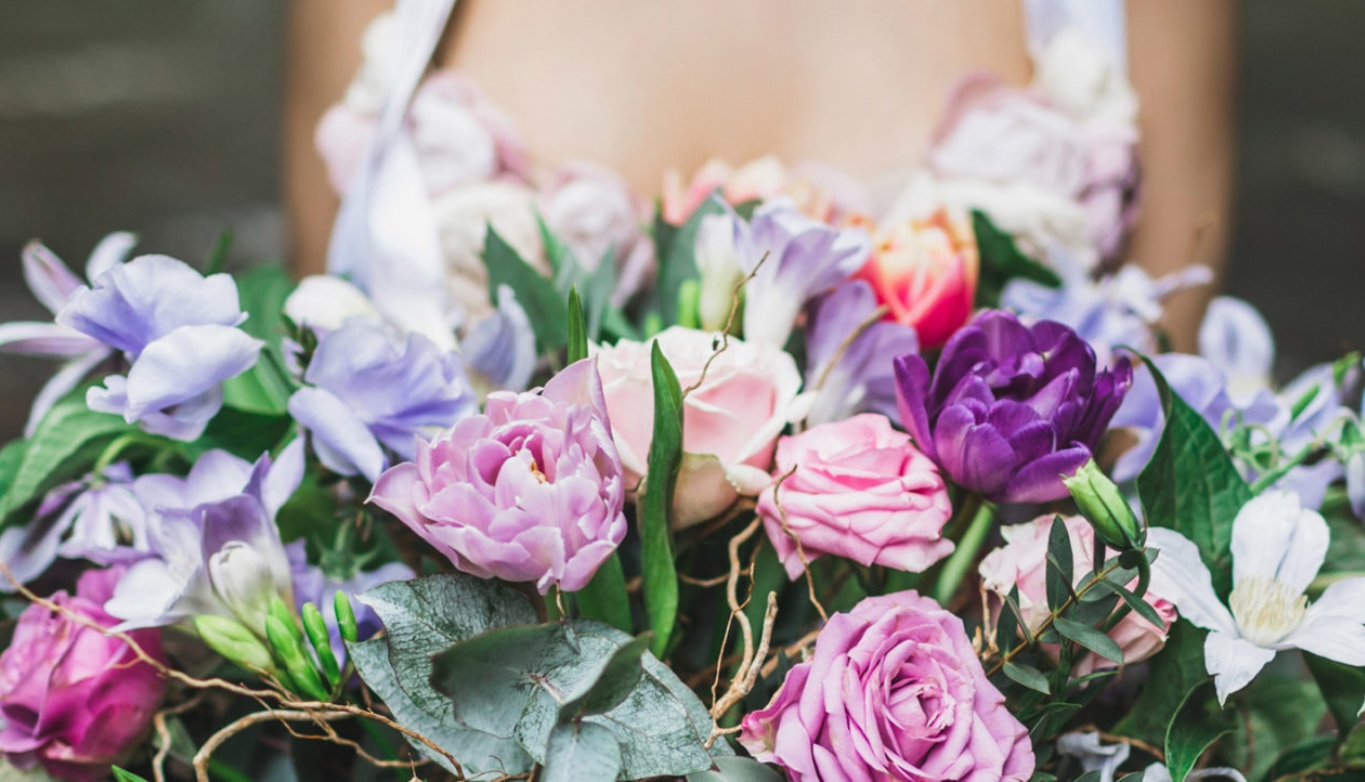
1001 261
233 641
1172 674
581 750
1343 689
242 434
1028 676
544 305
121 775
1192 486
736 769
1281 713
1197 724
265 388
595 287
1060 568
578 329
677 259
665 458
605 598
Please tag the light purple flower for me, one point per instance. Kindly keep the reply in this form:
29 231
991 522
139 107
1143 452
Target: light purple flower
801 259
500 349
860 379
531 490
366 394
95 518
218 548
1237 340
177 328
53 284
313 585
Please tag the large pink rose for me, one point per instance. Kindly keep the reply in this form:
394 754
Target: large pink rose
859 490
730 422
73 699
893 691
529 491
1022 562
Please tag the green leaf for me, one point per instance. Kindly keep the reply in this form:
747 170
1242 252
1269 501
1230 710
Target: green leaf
1007 626
1281 712
1141 607
1191 484
736 770
677 260
265 388
1312 754
1001 261
1176 670
243 434
218 255
1028 676
120 775
64 446
609 688
665 457
544 305
1060 573
578 330
1343 689
581 750
1194 729
11 456
605 598
1090 638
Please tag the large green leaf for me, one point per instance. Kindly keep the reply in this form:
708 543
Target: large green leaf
1172 674
544 305
581 751
1281 713
1343 689
665 458
605 598
1198 723
677 260
1001 261
265 388
11 456
736 770
1191 484
243 434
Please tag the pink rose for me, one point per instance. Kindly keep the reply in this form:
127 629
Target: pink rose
860 490
594 212
1022 562
531 490
893 691
730 422
925 273
73 699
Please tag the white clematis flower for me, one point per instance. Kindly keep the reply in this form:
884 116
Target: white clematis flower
1277 548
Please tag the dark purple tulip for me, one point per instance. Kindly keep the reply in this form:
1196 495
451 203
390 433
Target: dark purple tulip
1010 408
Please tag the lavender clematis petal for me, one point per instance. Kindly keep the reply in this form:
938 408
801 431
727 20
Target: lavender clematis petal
341 440
61 384
112 250
186 363
851 374
50 280
31 338
28 550
1237 340
501 348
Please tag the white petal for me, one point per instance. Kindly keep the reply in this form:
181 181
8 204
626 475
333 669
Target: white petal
185 363
1276 537
1178 575
1335 625
1233 662
61 384
110 252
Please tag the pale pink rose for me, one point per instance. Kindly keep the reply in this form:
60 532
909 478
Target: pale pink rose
462 219
1022 562
820 192
730 422
859 490
343 138
461 137
594 212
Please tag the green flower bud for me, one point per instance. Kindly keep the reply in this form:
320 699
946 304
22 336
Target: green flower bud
689 295
283 640
1104 506
316 629
233 641
350 631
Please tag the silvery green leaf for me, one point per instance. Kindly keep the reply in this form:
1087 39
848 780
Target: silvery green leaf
735 769
581 751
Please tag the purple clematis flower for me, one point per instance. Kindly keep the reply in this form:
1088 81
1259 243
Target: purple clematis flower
218 550
805 258
859 379
500 349
177 328
53 284
95 518
1011 408
366 394
312 585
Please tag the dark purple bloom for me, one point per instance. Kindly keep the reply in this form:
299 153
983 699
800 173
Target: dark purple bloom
1010 408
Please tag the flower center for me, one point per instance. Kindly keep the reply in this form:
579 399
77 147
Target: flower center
1266 610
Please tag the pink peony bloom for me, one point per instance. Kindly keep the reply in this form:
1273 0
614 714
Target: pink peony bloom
531 490
730 421
893 691
1022 561
860 490
925 272
72 699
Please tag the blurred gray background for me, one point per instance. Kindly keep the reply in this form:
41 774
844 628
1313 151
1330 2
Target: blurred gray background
164 118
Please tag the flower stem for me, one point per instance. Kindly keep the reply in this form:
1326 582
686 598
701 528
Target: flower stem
955 568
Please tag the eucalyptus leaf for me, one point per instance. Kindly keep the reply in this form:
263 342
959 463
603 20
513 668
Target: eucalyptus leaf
736 769
665 458
613 685
1191 484
544 305
581 751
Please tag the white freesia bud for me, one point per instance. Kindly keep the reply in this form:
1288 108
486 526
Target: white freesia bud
718 263
241 578
325 302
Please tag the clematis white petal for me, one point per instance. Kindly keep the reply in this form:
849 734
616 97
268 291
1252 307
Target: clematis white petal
1233 662
1275 537
1334 626
1181 577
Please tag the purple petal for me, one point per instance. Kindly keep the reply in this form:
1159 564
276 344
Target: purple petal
31 338
186 363
1041 480
50 280
109 253
912 388
61 384
343 442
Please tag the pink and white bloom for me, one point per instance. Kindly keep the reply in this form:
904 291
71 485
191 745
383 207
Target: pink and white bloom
1277 548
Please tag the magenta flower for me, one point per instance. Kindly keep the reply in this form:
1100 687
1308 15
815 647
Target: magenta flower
1011 408
73 699
894 691
531 490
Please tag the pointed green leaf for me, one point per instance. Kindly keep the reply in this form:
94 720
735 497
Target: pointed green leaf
1060 570
1028 676
581 751
1001 261
605 598
1090 638
665 457
578 330
1172 673
265 388
1194 729
544 305
1342 686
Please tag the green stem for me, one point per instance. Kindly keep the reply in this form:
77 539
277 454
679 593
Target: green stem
1052 617
968 546
115 448
1144 577
1268 479
223 771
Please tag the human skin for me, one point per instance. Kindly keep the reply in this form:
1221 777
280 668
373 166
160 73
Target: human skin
644 87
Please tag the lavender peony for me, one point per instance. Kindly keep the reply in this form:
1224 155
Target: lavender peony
531 490
1011 408
73 699
893 691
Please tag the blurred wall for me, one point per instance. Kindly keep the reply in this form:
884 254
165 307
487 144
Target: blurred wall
163 118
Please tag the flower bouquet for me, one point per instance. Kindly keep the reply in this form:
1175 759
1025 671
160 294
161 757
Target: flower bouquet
744 486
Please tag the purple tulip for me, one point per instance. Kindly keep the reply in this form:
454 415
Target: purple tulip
73 699
859 379
367 393
177 328
529 491
1011 408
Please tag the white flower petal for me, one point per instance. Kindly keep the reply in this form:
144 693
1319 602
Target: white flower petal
110 252
1181 577
1276 537
1233 662
1334 626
